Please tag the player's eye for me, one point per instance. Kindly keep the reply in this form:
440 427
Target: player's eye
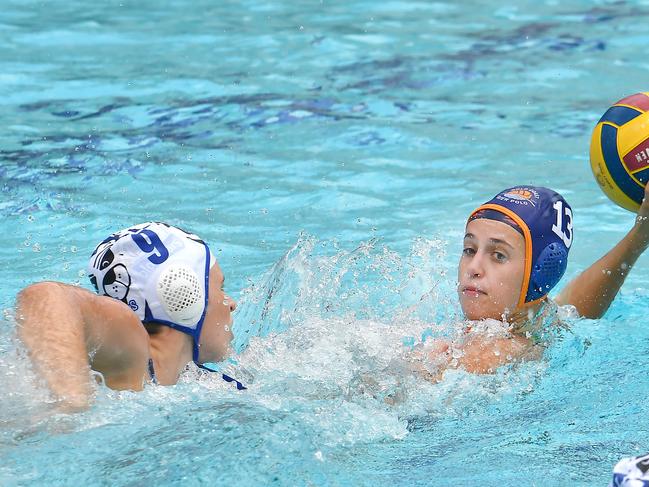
500 257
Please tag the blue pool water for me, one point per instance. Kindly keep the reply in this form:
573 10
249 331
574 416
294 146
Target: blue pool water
329 152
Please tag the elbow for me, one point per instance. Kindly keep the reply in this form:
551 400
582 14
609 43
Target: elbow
40 303
592 315
35 293
32 298
38 289
592 310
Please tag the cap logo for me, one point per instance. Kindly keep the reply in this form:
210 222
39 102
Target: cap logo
520 196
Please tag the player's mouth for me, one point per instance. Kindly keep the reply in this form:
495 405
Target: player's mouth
473 291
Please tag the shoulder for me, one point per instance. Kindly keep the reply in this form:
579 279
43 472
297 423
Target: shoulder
101 315
115 332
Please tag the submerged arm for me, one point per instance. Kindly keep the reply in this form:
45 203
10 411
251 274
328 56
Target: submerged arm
483 355
61 325
477 354
593 291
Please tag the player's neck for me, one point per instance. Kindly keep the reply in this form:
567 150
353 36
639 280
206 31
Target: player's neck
529 317
171 351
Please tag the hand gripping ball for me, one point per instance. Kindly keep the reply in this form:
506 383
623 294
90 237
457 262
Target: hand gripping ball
619 151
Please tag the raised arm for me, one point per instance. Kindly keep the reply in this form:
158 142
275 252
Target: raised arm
593 291
62 326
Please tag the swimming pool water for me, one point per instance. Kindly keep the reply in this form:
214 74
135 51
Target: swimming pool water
329 152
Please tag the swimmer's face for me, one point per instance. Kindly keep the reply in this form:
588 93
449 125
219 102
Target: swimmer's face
216 334
491 270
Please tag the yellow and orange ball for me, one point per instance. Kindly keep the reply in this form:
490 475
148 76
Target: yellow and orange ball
619 151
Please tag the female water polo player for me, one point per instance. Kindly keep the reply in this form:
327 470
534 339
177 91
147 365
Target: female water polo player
151 274
515 251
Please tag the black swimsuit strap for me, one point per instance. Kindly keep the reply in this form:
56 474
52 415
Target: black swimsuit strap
154 379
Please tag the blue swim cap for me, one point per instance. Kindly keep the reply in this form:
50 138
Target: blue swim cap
545 220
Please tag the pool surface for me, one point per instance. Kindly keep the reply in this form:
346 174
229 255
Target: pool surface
329 152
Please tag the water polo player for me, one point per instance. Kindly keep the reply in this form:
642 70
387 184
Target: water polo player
151 274
515 251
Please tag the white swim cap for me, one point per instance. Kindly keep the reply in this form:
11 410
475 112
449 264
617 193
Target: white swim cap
631 472
161 272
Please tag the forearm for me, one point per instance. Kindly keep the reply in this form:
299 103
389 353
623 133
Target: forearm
51 326
593 291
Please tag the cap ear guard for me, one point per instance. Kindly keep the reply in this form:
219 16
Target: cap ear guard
547 271
181 294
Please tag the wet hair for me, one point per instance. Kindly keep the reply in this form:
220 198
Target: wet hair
497 216
153 328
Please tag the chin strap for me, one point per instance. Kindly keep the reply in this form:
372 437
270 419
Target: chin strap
226 378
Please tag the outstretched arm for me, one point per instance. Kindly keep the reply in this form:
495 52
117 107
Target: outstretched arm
61 325
593 291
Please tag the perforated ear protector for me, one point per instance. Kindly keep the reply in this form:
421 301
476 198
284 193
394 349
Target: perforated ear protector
181 294
548 270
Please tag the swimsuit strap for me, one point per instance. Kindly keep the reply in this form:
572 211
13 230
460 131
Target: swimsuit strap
226 378
154 379
240 386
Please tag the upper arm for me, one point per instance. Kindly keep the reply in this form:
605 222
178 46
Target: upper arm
563 298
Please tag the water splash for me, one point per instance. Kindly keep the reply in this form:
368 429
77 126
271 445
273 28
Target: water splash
318 279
